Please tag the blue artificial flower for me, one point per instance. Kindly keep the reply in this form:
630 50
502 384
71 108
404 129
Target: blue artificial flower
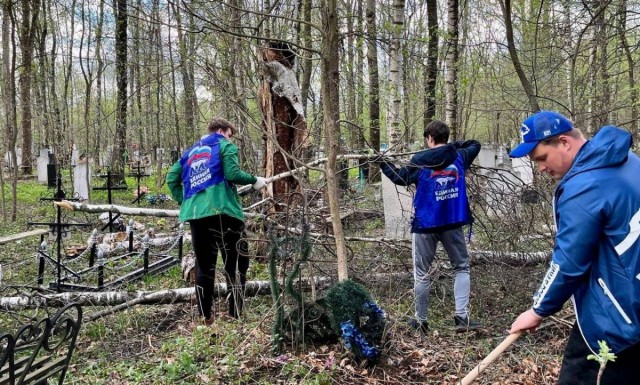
355 341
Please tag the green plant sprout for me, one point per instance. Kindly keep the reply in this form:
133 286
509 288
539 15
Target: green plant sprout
605 356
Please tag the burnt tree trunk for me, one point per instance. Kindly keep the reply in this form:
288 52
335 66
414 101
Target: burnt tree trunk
283 117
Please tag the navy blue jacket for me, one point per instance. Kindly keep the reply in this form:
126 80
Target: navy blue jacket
596 258
441 201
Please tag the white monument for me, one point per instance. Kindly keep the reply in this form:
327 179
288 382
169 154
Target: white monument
82 178
398 209
41 165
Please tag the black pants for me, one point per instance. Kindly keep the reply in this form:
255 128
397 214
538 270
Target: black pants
577 370
210 235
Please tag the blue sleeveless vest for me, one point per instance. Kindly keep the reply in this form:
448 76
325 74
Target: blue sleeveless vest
202 165
441 197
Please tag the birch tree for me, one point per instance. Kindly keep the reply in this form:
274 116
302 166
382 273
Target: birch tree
395 75
451 68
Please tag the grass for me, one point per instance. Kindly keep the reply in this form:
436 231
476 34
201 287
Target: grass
164 344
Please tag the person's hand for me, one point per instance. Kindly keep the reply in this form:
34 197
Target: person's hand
528 320
260 183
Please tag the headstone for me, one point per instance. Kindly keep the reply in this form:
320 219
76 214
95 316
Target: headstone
523 167
81 184
52 170
75 155
398 209
41 165
8 161
487 156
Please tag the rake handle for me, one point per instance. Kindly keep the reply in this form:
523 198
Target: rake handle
471 376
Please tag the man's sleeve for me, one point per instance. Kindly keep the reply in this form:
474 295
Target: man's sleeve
402 176
232 171
469 150
174 181
575 250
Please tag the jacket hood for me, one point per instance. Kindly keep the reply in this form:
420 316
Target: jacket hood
436 158
609 147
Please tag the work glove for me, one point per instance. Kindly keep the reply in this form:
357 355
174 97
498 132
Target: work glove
260 183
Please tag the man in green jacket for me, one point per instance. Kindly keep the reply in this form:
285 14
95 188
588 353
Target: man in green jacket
203 182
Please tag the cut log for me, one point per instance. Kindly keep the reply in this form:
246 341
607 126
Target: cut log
531 258
18 236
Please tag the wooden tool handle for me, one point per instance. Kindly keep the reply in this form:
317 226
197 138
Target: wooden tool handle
469 378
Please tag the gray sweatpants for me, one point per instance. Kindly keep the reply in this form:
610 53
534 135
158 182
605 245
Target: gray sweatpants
424 251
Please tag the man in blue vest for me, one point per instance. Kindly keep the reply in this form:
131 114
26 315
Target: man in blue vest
441 208
596 258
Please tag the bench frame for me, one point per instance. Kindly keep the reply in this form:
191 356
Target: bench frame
42 350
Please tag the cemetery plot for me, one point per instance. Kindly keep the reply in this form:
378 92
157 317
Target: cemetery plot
116 259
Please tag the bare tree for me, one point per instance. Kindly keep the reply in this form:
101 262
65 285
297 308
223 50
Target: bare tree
526 85
121 18
26 35
395 76
185 42
331 98
374 86
9 98
451 74
431 73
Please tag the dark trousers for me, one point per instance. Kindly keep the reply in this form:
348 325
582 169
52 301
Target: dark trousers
577 370
219 233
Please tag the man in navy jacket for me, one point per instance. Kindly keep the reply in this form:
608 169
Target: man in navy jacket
596 259
441 208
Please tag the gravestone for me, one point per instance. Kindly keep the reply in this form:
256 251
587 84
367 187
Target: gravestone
398 209
8 161
523 167
82 184
488 156
41 165
75 155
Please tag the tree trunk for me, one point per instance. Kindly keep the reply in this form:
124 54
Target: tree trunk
331 98
526 85
451 68
98 113
236 67
188 84
395 77
307 64
9 68
349 75
30 11
283 117
374 86
118 158
87 75
9 102
431 72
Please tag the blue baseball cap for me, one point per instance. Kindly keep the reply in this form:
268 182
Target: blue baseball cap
540 126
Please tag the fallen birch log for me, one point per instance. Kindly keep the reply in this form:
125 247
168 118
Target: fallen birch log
114 298
509 256
186 294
